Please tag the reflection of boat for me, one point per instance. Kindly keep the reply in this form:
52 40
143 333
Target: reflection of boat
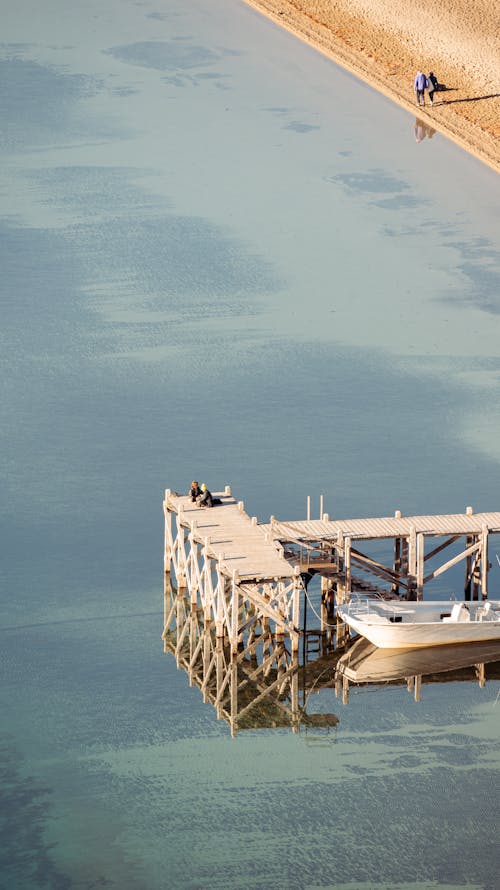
398 624
366 663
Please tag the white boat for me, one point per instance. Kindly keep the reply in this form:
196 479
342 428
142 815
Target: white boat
397 624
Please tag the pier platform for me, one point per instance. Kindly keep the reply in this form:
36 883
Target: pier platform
243 573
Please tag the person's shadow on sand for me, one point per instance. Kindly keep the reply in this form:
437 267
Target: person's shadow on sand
467 99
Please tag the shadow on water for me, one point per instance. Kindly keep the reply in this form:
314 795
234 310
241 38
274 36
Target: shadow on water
24 853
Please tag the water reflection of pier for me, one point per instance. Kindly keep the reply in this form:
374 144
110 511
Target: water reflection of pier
262 685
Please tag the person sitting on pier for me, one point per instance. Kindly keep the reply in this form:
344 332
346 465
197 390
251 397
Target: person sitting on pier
194 491
205 498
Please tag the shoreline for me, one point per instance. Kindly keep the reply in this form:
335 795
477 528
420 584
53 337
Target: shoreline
382 54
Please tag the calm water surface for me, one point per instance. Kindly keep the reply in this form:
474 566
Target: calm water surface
223 257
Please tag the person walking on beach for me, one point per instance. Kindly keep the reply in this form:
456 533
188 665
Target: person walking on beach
420 85
433 85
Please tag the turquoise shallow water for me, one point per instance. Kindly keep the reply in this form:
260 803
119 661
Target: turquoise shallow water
223 257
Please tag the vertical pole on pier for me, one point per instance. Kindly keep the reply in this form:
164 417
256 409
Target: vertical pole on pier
420 566
468 562
468 569
412 563
219 673
297 585
348 577
181 552
484 563
476 572
397 559
167 553
277 592
196 584
234 613
321 506
341 630
207 646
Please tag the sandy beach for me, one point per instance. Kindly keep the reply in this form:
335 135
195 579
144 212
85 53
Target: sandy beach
385 42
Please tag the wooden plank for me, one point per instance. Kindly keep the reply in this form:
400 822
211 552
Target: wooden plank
385 527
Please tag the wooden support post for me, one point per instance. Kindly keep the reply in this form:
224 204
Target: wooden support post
412 564
476 572
167 558
484 563
469 540
468 564
206 663
219 673
420 566
181 554
324 601
397 558
233 633
297 586
348 578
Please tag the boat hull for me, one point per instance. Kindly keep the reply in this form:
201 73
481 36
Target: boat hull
390 627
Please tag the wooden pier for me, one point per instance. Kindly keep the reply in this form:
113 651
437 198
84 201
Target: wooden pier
231 567
240 572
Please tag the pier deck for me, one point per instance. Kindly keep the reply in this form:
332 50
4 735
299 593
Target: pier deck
242 572
386 527
232 538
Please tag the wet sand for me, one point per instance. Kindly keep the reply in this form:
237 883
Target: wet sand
385 42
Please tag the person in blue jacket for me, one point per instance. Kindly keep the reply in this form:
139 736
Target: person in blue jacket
420 85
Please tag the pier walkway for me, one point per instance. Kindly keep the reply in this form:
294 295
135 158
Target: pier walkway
231 537
231 566
243 573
